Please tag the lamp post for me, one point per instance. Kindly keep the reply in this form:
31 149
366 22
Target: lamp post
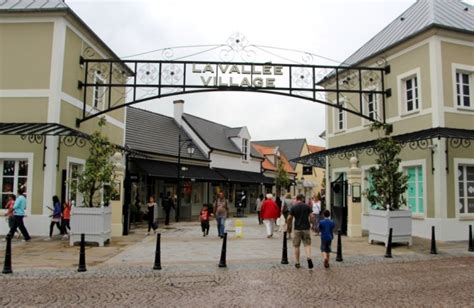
190 149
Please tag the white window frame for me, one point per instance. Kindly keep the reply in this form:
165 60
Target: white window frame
457 162
401 84
98 93
461 68
365 105
29 186
418 163
77 161
337 112
245 149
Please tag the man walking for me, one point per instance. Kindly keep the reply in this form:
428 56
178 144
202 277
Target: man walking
221 212
19 208
301 213
168 203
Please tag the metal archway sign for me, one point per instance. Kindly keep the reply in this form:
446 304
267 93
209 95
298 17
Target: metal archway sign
112 84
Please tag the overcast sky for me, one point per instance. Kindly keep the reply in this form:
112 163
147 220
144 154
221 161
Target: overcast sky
330 28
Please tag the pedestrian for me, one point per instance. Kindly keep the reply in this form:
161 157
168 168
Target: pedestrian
269 213
19 208
152 208
168 204
259 207
204 216
65 220
9 213
55 218
316 214
287 204
221 212
301 213
326 227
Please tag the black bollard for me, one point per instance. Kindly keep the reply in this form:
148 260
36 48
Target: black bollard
157 265
388 252
339 247
471 244
284 253
433 242
223 252
7 266
82 255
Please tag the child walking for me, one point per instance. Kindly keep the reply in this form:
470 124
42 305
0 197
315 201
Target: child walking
326 227
66 219
204 216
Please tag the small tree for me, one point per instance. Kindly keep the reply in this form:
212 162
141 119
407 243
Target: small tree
98 171
388 183
282 179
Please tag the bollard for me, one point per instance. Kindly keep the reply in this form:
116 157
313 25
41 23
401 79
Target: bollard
471 244
223 252
157 265
339 247
82 255
388 252
433 242
7 266
284 253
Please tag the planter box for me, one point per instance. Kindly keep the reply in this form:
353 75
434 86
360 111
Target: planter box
95 223
381 221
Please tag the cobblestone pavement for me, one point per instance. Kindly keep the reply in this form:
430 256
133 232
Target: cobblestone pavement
444 282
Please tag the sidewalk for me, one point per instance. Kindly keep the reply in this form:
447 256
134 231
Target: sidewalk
183 244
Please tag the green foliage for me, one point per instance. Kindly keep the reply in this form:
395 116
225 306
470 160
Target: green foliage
282 179
98 170
389 184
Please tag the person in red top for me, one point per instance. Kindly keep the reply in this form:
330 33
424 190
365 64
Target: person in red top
204 216
269 213
66 219
9 212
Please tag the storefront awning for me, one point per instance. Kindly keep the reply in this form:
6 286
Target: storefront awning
169 170
239 176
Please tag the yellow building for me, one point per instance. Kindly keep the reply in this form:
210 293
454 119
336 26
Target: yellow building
41 45
428 53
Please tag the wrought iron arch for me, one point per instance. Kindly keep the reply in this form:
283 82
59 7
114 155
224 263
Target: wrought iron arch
109 84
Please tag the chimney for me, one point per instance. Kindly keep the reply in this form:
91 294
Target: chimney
178 111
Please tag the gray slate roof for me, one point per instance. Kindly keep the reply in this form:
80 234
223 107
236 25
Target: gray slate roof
152 132
422 15
291 147
215 135
25 5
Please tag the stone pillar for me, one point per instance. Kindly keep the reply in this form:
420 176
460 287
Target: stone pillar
116 205
354 207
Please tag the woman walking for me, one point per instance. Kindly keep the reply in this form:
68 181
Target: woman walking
269 213
152 215
221 212
316 214
19 208
55 217
259 207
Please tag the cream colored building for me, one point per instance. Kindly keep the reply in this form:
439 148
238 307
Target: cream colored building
430 52
41 44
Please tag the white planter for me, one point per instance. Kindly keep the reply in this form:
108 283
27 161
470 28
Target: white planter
95 223
381 221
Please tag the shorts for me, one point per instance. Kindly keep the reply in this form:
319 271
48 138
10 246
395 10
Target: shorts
301 235
326 246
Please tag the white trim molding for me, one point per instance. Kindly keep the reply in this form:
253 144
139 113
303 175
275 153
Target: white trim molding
25 93
401 93
457 162
436 82
469 69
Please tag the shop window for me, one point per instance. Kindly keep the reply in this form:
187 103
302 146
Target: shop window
14 176
415 193
465 187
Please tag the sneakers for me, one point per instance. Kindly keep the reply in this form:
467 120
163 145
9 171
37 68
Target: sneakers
310 263
297 265
326 263
47 239
148 233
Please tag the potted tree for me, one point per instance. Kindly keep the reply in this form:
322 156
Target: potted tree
95 184
386 193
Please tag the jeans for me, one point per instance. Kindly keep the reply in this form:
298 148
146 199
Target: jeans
220 225
18 223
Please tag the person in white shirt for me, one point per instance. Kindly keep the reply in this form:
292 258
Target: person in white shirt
316 213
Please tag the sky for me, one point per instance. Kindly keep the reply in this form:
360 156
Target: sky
333 29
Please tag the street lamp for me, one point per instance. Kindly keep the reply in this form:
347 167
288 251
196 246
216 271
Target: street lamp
190 150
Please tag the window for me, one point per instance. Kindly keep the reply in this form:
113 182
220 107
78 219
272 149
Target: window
307 170
98 93
465 189
372 106
14 176
415 194
340 118
73 174
245 148
463 90
411 93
